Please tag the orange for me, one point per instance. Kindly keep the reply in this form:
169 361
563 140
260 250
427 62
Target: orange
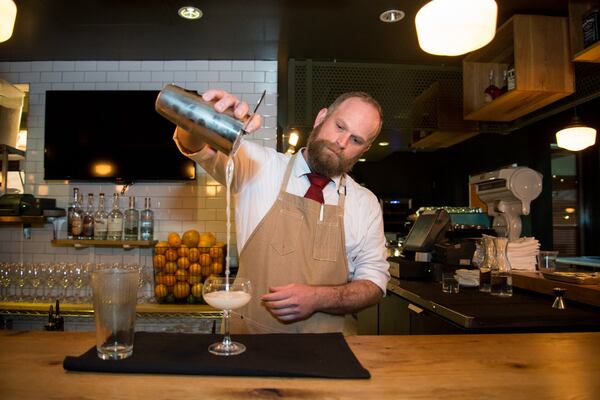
161 247
181 275
195 269
171 255
195 279
190 238
183 251
170 267
207 239
158 278
181 290
183 262
173 239
216 251
206 271
169 279
160 290
159 260
205 259
197 290
194 254
216 268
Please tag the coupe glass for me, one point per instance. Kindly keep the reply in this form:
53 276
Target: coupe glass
226 294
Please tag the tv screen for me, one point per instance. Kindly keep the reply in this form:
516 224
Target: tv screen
110 136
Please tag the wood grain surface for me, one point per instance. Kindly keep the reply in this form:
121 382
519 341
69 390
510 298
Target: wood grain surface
511 366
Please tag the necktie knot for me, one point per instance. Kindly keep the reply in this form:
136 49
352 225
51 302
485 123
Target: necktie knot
317 183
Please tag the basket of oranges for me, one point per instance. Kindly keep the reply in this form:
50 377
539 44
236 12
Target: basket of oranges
182 263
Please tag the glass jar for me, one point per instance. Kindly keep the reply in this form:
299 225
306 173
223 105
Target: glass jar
501 279
485 268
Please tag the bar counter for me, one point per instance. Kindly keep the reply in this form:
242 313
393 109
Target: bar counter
493 366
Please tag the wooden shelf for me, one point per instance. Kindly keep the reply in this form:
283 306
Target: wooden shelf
23 219
436 117
577 9
538 47
126 244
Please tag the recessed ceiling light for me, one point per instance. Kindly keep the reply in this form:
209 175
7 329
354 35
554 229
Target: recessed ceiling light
189 12
391 16
362 159
383 144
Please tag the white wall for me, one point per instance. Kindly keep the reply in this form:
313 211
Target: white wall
178 206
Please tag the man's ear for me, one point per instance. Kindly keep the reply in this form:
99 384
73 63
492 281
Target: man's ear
320 117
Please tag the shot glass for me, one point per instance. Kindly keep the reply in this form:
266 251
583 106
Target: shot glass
546 261
114 292
449 283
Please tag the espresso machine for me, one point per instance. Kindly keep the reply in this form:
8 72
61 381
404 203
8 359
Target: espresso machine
508 193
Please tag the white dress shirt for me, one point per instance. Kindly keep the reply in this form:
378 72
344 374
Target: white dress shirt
258 174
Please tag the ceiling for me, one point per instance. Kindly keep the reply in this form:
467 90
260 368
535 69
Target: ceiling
341 30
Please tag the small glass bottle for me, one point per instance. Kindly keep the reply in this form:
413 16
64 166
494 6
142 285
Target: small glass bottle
132 219
100 220
115 221
74 217
485 269
88 219
492 91
147 221
501 284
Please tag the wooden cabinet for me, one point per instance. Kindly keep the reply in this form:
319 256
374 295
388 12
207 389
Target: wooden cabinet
436 117
577 10
538 48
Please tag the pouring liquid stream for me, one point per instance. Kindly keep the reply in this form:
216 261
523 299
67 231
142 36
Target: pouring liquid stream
228 179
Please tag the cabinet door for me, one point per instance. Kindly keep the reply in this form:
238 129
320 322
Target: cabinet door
367 320
393 315
423 322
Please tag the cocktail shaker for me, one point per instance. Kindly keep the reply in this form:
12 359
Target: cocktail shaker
187 109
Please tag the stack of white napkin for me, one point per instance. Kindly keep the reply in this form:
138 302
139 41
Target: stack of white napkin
522 253
467 277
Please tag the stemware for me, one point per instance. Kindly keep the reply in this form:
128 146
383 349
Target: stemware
226 294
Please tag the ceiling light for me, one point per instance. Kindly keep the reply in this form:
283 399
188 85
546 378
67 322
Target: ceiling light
576 135
383 144
362 159
293 140
8 15
455 27
391 16
189 12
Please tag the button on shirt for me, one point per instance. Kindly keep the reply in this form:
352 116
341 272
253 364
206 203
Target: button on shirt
257 179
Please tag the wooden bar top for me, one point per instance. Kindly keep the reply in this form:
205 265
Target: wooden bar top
503 366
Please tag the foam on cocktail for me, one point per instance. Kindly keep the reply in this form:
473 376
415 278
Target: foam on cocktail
227 299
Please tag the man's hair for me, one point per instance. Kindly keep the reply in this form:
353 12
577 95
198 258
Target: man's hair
366 97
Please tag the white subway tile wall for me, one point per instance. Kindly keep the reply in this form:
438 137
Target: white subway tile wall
178 207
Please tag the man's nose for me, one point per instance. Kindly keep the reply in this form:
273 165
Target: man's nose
342 140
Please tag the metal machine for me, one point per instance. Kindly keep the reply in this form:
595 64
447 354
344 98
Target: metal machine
508 193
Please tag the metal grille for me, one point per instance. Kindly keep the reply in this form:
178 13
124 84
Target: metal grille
317 83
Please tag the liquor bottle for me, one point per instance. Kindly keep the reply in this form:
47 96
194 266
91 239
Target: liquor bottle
501 279
88 219
132 219
147 221
100 220
492 91
115 221
74 217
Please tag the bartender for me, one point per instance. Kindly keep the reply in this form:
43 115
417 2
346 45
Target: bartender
309 237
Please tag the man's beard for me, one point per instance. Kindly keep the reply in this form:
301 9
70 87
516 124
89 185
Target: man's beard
324 157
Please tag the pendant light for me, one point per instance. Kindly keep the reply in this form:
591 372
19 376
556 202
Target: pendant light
576 135
8 14
455 27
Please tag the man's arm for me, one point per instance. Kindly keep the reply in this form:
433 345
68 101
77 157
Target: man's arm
295 302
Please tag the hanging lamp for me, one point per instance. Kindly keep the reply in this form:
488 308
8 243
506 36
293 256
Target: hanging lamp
8 14
455 27
576 135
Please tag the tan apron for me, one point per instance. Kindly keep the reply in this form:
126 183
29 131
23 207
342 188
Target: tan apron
296 242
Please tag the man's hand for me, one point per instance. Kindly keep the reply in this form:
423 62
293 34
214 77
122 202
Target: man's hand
295 302
289 303
224 100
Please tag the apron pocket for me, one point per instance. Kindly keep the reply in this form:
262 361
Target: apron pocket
327 239
287 229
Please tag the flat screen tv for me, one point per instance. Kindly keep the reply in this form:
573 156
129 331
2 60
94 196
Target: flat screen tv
110 136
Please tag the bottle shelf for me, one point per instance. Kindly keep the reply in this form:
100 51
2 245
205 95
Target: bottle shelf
577 9
126 244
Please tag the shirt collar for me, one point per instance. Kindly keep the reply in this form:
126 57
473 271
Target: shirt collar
301 168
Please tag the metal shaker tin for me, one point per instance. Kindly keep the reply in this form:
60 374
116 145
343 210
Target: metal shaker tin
187 109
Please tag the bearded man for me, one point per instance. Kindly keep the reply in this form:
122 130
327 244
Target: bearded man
309 237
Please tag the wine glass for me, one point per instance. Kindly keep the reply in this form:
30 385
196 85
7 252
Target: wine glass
226 294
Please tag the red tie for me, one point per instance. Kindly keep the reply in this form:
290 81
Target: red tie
317 183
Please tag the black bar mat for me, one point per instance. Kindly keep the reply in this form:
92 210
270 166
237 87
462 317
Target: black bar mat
322 355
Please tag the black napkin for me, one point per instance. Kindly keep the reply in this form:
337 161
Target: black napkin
323 355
